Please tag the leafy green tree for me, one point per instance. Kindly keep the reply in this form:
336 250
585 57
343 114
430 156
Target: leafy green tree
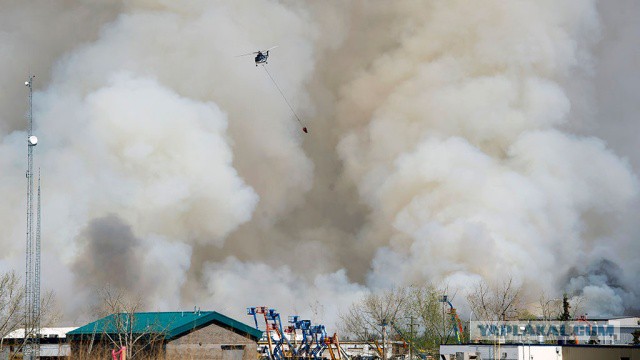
433 322
566 307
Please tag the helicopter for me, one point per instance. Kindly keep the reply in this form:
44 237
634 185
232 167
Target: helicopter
261 58
261 55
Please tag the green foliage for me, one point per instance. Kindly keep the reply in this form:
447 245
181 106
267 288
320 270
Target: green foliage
413 314
434 322
566 307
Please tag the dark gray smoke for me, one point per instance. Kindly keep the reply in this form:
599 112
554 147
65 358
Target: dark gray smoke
108 254
601 283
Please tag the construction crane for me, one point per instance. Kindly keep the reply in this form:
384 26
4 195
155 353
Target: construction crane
593 338
278 345
276 326
282 343
333 342
254 311
318 334
378 348
304 348
457 324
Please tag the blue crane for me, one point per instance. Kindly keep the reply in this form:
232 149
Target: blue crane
457 324
273 324
318 334
304 349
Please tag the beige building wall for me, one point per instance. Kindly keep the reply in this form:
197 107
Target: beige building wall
537 352
212 342
600 353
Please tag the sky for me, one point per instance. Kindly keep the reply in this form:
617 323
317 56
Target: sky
449 142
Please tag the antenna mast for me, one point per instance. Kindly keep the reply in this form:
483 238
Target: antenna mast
31 348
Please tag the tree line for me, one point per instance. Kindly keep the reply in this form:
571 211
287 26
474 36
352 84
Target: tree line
416 314
420 316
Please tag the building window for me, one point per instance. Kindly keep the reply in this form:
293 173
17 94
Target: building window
232 347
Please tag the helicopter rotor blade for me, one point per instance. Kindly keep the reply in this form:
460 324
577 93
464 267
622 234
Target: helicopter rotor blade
273 47
251 53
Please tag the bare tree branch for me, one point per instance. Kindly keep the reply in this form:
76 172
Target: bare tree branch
122 328
11 303
364 319
502 301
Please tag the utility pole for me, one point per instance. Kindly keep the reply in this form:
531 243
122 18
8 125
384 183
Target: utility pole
444 329
384 336
411 335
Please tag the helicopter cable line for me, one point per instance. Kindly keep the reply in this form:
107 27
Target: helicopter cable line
304 128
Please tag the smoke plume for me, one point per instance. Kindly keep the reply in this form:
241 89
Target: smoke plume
449 141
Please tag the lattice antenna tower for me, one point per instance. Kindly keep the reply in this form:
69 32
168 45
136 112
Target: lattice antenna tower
36 289
32 277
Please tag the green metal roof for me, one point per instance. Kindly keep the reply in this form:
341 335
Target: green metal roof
172 324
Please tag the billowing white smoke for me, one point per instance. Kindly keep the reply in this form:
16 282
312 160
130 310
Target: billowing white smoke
141 161
438 150
158 160
319 300
460 154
